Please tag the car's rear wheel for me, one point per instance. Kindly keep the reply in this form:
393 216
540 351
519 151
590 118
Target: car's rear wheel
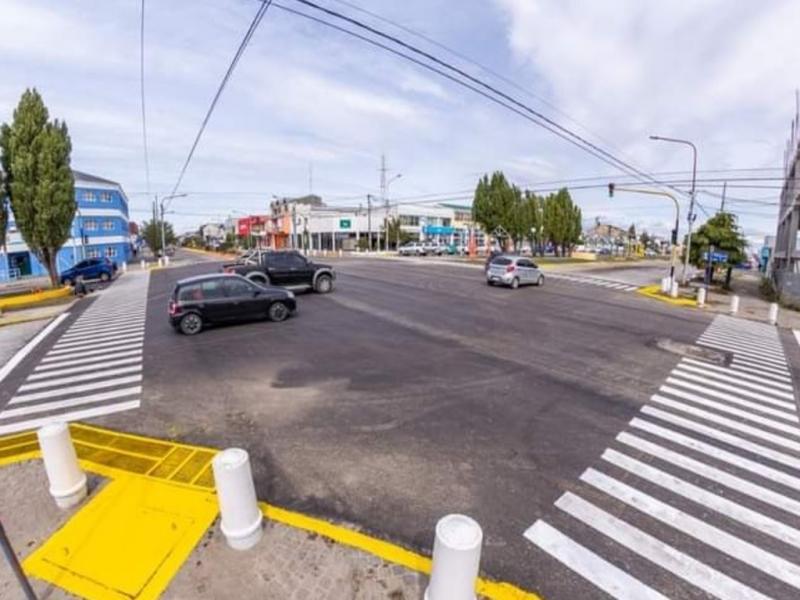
323 284
278 312
259 279
67 282
191 324
104 276
540 281
515 283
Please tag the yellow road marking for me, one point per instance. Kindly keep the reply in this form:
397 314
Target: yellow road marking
125 457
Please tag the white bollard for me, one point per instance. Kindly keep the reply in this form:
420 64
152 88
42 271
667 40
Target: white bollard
143 264
734 304
773 314
236 494
701 297
341 253
456 559
124 267
166 261
673 290
665 285
67 481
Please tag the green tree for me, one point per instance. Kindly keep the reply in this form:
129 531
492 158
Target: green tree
496 205
562 220
151 234
721 231
35 158
645 240
397 235
534 221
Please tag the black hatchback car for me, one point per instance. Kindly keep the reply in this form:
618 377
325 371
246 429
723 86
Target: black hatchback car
224 298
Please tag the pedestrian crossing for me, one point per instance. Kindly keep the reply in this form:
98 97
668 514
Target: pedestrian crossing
93 369
611 284
699 497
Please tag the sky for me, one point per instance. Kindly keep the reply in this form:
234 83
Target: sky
308 100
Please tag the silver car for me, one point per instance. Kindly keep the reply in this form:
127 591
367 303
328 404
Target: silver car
513 271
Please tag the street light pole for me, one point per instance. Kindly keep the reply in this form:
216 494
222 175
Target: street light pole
163 205
386 185
691 216
613 187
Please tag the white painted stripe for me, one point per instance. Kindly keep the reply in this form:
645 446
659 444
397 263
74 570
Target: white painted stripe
73 335
128 343
752 356
38 385
754 418
676 562
747 336
84 368
736 329
32 409
612 580
733 394
70 416
76 389
743 486
763 369
777 375
738 375
717 434
728 508
723 541
96 341
79 327
87 360
730 423
86 353
739 324
27 348
112 313
774 351
796 335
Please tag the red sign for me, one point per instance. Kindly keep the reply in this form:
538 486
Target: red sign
243 226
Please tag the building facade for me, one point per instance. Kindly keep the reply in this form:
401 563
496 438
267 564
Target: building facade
100 229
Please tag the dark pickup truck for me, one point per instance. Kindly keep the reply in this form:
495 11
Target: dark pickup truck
288 269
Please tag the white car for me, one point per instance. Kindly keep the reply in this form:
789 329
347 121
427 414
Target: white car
412 249
513 271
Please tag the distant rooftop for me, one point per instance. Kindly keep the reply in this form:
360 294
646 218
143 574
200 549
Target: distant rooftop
81 176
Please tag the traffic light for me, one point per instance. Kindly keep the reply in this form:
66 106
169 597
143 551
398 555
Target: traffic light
610 190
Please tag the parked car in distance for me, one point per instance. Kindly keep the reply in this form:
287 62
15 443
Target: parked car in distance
412 249
434 249
90 268
224 298
288 269
513 271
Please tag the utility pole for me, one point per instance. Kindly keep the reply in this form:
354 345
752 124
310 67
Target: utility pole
724 189
385 204
294 226
369 220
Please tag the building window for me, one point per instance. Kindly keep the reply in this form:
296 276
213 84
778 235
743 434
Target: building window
409 220
108 225
89 196
92 253
446 222
90 225
111 252
105 196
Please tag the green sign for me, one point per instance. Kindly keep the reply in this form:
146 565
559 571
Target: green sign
344 223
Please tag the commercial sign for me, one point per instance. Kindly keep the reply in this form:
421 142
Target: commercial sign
345 224
716 256
243 227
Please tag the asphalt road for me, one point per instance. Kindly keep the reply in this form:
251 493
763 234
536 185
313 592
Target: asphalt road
414 391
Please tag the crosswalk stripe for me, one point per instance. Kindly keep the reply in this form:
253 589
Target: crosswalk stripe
771 351
609 578
735 383
745 354
711 432
764 370
738 375
729 508
88 360
30 409
70 335
38 385
771 337
733 394
733 482
752 417
731 424
119 319
83 368
107 347
665 556
74 389
97 341
723 541
76 415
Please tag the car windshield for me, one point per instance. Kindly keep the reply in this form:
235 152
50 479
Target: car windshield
502 261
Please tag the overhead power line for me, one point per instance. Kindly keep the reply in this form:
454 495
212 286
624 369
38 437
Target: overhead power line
239 52
476 85
144 112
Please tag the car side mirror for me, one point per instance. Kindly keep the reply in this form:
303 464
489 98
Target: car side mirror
256 293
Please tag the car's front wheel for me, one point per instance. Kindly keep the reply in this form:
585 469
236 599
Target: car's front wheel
67 281
278 312
323 284
191 324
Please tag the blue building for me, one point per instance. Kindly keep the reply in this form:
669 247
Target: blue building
100 229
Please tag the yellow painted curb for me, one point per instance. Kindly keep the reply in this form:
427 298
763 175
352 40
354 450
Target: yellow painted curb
32 299
183 467
654 291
